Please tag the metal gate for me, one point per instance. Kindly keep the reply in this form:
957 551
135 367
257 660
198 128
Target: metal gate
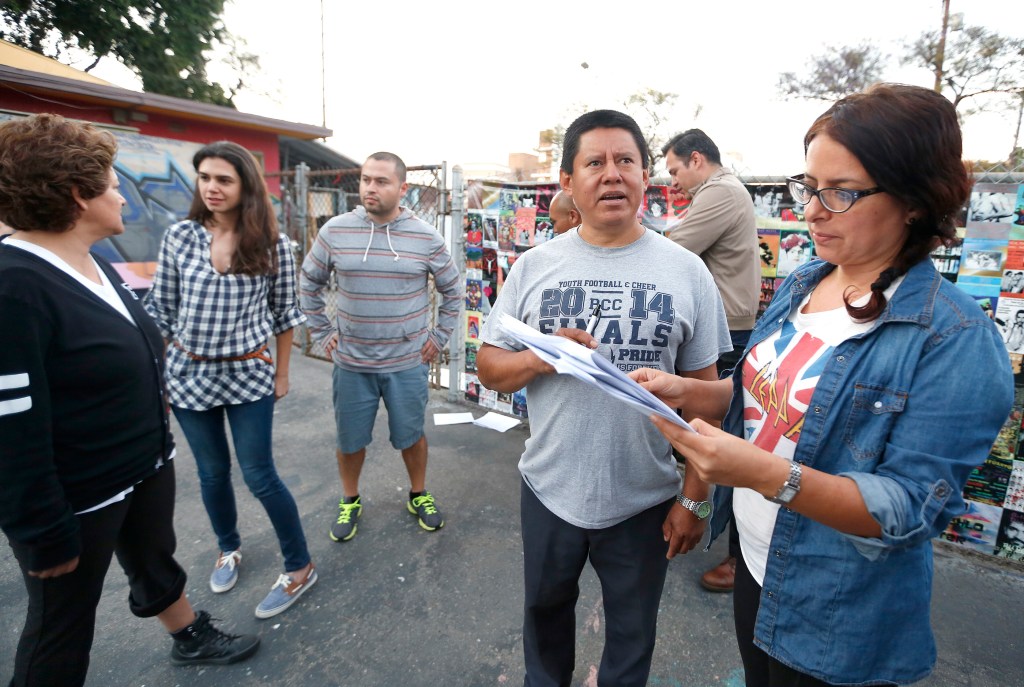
310 198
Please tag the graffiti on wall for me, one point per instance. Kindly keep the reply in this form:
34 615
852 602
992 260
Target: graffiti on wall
156 181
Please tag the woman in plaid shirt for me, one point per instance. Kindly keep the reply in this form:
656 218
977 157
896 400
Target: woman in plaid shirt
225 282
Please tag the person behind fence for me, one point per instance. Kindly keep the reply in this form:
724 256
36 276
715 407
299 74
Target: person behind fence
563 212
224 284
86 467
598 483
380 337
870 389
718 226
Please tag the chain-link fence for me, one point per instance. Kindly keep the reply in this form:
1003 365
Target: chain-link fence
310 198
1002 173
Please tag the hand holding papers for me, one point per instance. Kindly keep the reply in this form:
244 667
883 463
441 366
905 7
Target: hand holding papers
569 357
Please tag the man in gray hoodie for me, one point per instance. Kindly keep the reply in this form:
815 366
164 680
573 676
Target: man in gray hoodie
380 340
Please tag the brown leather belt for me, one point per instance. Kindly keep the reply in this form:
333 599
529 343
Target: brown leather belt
260 353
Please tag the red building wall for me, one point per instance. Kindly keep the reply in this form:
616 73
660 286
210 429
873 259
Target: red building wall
155 168
264 144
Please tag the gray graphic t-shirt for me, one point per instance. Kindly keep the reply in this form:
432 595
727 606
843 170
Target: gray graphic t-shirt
591 459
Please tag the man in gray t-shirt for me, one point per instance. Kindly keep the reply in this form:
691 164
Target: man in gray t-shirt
599 481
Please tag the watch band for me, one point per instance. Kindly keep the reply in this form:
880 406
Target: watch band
791 487
702 509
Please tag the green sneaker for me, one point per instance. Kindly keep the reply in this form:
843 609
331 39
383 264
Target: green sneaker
344 528
425 509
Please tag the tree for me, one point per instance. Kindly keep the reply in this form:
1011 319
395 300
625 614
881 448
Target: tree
551 143
165 42
976 62
1017 153
649 107
837 73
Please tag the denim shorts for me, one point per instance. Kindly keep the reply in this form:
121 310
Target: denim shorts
356 399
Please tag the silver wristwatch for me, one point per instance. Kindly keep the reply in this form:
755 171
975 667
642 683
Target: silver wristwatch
791 487
702 509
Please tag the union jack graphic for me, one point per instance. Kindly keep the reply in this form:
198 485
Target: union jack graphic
779 376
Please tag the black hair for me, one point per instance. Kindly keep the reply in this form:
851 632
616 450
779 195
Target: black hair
908 139
400 168
601 119
691 140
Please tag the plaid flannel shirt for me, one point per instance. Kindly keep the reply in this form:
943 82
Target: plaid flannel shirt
218 316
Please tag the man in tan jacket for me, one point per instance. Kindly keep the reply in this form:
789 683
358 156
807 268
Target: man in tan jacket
719 227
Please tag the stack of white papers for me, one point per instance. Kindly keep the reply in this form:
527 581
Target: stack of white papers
570 358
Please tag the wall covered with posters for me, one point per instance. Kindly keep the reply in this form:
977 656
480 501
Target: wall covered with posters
781 234
504 220
989 265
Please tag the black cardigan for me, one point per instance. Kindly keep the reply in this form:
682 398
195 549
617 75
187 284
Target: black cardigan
97 423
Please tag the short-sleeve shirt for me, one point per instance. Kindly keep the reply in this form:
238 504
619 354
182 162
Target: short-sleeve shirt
592 460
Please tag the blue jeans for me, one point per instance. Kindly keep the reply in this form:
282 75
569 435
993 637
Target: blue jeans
251 428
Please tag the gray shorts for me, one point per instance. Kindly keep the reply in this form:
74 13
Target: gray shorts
357 397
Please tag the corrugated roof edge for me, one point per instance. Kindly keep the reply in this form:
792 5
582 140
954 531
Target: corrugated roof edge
152 102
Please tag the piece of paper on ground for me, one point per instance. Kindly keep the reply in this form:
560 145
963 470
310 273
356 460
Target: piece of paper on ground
497 421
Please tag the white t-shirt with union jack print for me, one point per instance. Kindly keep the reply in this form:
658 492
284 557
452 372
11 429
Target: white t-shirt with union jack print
779 376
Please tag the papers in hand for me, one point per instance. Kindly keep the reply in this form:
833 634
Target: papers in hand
570 358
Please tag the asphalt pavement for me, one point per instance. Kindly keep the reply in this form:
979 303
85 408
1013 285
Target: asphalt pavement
400 606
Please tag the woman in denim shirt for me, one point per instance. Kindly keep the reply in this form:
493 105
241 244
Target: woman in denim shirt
870 389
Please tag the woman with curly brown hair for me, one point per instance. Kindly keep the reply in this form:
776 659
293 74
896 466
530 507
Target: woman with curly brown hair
870 389
86 467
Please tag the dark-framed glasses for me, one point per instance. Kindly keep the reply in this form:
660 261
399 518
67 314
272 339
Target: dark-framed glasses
833 199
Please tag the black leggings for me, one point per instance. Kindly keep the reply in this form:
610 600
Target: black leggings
761 670
54 646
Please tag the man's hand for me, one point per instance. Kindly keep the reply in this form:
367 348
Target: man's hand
682 530
429 351
331 343
577 335
56 571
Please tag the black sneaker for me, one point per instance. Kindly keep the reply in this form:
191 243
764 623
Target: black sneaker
206 644
344 528
425 509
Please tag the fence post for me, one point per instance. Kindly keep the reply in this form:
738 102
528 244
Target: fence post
456 344
302 203
299 200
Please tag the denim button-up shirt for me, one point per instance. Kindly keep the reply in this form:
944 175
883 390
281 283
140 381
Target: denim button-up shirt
906 410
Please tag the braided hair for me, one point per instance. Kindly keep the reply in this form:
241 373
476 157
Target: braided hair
908 139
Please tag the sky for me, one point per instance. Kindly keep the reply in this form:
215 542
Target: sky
469 82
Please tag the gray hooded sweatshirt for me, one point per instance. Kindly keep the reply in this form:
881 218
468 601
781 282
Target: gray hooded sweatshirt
382 313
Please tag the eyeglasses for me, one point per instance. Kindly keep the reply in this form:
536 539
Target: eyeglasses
833 199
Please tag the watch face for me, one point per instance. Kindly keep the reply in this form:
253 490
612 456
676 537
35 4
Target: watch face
703 510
